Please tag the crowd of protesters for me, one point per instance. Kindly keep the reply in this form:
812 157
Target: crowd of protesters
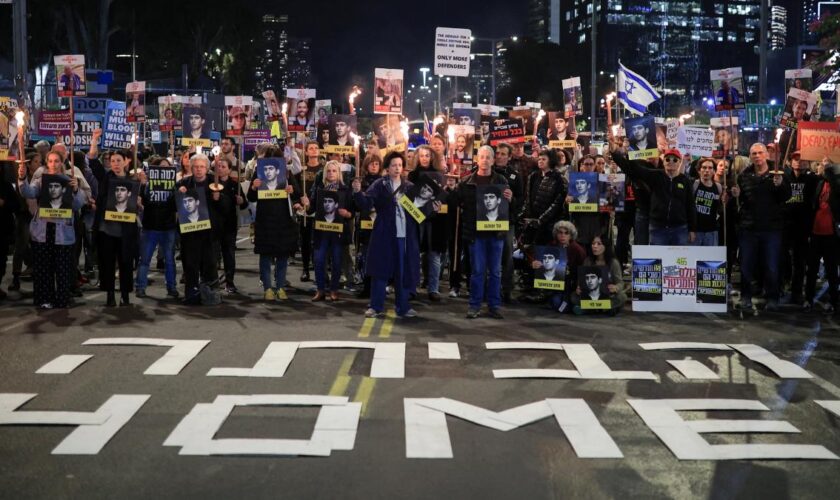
779 222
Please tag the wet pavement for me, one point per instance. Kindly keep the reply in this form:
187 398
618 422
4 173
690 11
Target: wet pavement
535 460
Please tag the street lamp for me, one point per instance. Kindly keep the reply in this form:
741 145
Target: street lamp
425 71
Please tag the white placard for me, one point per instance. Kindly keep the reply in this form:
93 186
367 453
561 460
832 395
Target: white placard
667 279
452 52
696 141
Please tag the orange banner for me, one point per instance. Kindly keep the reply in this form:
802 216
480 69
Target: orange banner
819 139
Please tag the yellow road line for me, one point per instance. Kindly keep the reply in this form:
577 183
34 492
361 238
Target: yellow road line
387 325
342 379
367 326
364 393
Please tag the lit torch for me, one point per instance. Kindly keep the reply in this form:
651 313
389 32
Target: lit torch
450 132
404 129
540 116
354 93
609 99
21 124
283 112
356 143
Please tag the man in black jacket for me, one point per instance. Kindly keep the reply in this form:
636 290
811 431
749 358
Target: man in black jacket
672 211
515 181
761 195
796 233
228 199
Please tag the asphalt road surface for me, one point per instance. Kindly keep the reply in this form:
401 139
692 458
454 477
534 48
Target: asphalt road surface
532 461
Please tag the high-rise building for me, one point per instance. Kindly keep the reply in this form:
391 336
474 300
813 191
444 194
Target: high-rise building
480 81
672 43
272 49
299 64
778 27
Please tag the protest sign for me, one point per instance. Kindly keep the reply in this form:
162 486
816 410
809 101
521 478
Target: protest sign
492 210
572 97
135 102
237 114
452 52
388 93
819 139
70 76
695 140
798 79
255 136
506 130
54 122
161 183
728 88
679 279
118 132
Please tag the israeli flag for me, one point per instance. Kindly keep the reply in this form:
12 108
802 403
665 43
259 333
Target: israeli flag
634 91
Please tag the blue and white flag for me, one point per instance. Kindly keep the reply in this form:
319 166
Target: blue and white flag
634 91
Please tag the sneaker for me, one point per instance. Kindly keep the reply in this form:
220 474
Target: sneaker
746 304
46 305
280 294
389 289
304 277
454 293
434 297
269 295
140 293
473 313
806 306
828 309
411 313
231 289
495 313
371 313
173 293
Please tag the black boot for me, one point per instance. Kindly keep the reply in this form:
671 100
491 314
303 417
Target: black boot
110 301
124 299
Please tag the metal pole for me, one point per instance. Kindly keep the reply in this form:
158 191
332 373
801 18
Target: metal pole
20 55
762 53
493 71
439 103
594 58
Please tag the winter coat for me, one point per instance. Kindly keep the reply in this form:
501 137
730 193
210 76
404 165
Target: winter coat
275 228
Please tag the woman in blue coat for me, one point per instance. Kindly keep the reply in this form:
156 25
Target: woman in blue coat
393 251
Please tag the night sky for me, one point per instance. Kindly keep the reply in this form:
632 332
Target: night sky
347 44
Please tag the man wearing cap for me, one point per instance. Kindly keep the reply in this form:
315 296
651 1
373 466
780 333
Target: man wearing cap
762 195
672 211
795 237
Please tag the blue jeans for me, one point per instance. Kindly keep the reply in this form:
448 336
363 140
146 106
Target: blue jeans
641 236
149 240
671 236
753 243
434 271
329 246
486 258
401 294
706 239
280 265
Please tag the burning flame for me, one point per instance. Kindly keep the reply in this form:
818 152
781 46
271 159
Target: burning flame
610 96
354 93
437 121
19 116
133 138
450 131
778 134
284 108
540 115
404 128
355 138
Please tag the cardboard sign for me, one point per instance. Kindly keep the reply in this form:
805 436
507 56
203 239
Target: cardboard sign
506 130
696 141
819 139
388 91
135 102
70 76
408 205
117 134
53 122
728 88
452 51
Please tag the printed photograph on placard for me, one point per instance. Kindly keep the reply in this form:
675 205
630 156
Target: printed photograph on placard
800 79
550 268
462 148
485 130
301 109
323 110
560 131
273 109
572 97
388 131
647 280
70 76
341 126
272 175
426 190
135 102
798 107
170 109
583 188
195 123
728 89
55 200
121 205
526 115
237 114
724 140
467 116
323 135
641 133
388 91
611 192
193 213
326 211
711 282
491 208
593 282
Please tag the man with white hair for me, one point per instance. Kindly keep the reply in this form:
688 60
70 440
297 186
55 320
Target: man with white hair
762 195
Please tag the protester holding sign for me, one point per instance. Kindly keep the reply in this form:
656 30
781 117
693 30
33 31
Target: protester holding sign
516 182
709 198
762 195
564 244
433 235
117 241
52 239
275 230
371 171
600 254
333 209
197 257
312 169
824 223
544 200
228 199
394 250
796 233
485 247
158 226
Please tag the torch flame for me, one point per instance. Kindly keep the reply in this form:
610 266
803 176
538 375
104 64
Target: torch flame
540 115
437 121
284 108
354 93
404 128
133 138
355 138
450 131
19 117
778 134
